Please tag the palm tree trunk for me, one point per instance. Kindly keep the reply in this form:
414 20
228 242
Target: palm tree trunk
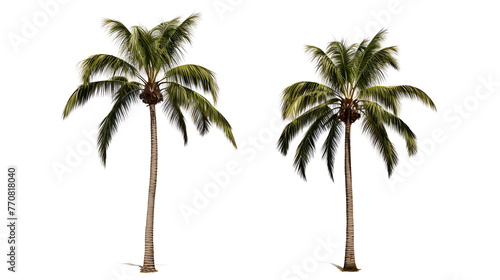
149 258
349 261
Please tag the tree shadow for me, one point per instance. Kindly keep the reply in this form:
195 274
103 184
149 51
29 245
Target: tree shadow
132 264
138 265
342 269
337 266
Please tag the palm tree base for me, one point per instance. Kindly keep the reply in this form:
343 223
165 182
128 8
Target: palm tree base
148 269
350 269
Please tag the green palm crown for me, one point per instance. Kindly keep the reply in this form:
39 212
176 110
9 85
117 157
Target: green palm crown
349 91
148 69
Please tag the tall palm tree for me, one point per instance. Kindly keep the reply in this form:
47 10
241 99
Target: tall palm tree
350 91
148 70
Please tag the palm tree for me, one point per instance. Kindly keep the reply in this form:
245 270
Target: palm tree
148 69
350 91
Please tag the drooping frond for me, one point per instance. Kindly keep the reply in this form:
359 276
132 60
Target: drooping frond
331 143
86 91
390 96
298 97
376 111
194 76
299 123
382 96
123 98
307 146
174 114
202 112
106 64
375 129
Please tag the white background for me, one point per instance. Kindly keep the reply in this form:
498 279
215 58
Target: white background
437 218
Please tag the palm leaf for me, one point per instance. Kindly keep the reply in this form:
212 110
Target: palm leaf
120 33
106 64
366 49
300 96
326 68
331 143
373 126
395 93
203 113
174 114
299 123
144 52
172 36
127 95
342 56
307 145
376 111
383 96
86 91
191 75
374 68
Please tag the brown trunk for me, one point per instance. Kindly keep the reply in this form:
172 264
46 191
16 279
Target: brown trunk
349 261
149 258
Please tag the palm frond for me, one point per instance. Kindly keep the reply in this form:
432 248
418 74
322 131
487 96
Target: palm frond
202 112
120 33
126 96
299 123
326 68
173 36
377 112
191 75
375 129
143 51
342 54
366 49
307 145
86 91
106 64
378 93
331 143
174 114
360 49
300 96
383 96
